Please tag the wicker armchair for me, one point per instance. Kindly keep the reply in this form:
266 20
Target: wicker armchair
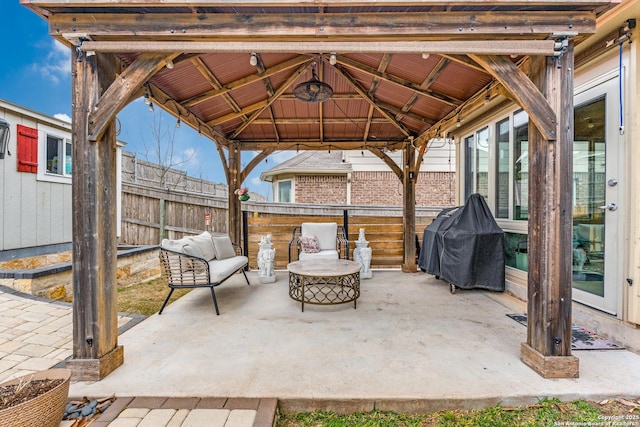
341 247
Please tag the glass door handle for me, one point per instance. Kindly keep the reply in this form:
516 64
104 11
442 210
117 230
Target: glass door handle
611 207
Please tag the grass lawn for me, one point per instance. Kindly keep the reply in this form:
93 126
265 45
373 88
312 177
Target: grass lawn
146 298
549 413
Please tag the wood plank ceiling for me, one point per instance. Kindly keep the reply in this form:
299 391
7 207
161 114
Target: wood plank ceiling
401 70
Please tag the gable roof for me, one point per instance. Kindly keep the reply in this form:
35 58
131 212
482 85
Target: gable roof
310 162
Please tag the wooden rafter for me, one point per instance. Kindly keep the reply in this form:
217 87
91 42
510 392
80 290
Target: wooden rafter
382 67
228 87
270 91
363 93
398 81
284 86
213 81
428 81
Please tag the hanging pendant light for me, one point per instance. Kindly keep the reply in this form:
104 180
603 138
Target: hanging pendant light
313 90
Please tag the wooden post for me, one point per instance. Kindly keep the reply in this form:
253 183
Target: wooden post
409 209
95 317
548 346
163 219
235 207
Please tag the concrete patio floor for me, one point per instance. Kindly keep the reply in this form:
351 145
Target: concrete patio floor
409 346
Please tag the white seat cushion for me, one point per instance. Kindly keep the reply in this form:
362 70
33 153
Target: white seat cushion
326 233
220 269
329 254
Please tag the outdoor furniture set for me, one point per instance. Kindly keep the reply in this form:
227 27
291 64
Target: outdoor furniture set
322 274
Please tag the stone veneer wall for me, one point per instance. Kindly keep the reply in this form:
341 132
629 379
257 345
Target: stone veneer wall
50 276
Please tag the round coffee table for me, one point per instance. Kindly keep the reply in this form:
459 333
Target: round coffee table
324 281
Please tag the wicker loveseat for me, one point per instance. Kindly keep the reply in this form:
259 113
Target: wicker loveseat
317 240
202 261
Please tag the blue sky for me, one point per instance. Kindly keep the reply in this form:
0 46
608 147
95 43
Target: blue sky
36 74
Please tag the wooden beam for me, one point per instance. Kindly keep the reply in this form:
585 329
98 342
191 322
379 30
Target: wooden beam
409 208
316 144
271 99
548 346
388 161
523 91
398 81
283 66
234 180
95 314
363 93
271 3
196 26
255 162
478 47
120 91
435 73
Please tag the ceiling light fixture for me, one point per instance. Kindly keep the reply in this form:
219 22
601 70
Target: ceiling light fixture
313 90
333 59
253 59
169 64
426 55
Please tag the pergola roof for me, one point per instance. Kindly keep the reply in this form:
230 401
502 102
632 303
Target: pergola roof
401 71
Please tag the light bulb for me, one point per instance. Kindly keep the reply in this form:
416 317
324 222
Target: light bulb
333 59
169 64
253 60
458 123
426 55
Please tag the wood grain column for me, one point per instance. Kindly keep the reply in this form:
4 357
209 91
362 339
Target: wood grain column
235 207
409 209
96 352
548 346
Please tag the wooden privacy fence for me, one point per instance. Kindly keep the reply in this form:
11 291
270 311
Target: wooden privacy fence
382 227
148 214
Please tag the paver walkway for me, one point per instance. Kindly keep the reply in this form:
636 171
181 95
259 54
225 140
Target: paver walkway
37 334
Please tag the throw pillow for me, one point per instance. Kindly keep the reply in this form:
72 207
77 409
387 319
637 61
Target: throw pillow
224 247
310 244
200 246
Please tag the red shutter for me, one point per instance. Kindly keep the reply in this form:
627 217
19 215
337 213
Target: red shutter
27 149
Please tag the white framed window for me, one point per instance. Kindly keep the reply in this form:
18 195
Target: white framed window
55 157
284 190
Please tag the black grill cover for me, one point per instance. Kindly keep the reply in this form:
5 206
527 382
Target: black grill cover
465 247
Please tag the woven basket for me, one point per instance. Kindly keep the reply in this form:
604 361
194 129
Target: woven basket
45 410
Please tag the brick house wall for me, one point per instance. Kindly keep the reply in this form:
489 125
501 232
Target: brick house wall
321 189
380 188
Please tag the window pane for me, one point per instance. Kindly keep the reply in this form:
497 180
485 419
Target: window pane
482 158
284 191
54 161
67 158
521 165
469 166
502 166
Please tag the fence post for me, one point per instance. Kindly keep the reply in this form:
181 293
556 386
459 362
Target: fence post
163 219
245 236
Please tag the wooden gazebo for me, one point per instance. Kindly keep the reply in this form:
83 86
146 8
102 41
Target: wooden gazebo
401 73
